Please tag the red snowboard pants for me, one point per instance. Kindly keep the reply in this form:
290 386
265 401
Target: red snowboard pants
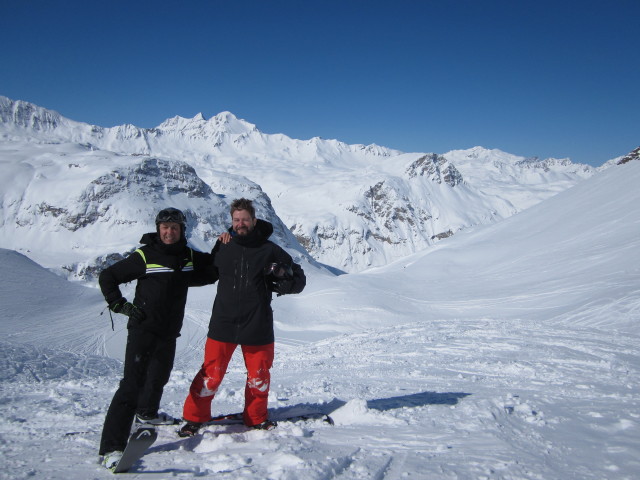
217 355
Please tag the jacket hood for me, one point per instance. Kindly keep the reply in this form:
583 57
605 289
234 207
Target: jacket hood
264 228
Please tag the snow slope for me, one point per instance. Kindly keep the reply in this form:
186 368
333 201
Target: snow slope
509 351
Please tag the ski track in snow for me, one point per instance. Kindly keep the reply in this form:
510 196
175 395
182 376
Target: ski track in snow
466 399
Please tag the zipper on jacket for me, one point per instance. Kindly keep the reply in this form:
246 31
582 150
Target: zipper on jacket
242 270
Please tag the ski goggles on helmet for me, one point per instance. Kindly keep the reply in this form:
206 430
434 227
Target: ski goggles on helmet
278 270
171 215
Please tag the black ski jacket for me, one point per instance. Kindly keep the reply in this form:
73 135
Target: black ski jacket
242 311
164 274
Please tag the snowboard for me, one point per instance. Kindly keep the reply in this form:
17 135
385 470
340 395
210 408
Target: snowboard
139 423
236 418
138 443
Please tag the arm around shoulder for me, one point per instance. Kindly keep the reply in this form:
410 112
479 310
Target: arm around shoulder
204 271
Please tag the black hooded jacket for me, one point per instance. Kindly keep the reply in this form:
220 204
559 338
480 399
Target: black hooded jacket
164 274
242 311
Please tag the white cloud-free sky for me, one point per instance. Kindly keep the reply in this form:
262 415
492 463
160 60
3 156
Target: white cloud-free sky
533 78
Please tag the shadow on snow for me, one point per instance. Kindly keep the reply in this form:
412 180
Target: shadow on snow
381 404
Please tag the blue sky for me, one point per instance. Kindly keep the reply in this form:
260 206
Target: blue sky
533 78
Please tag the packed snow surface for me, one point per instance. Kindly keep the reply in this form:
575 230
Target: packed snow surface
510 351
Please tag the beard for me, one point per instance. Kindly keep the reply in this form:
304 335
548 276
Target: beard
243 230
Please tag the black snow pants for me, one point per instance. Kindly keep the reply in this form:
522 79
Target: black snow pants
147 366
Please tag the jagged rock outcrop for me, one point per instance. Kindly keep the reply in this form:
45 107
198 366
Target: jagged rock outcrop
437 168
633 155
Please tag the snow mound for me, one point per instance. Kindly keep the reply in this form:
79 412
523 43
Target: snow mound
356 412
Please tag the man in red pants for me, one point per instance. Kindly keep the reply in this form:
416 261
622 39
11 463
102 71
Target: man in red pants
249 268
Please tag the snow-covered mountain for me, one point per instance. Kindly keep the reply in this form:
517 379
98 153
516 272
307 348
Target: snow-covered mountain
510 351
80 192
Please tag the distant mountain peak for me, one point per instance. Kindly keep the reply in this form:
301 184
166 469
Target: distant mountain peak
223 122
28 115
229 123
226 116
633 155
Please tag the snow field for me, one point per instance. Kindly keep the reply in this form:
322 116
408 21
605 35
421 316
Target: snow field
467 399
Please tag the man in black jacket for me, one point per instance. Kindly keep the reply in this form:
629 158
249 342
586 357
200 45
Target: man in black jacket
250 268
164 268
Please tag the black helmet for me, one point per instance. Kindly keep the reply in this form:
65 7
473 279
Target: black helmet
171 215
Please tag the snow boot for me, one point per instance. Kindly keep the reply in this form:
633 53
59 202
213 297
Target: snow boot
158 419
189 429
110 460
266 425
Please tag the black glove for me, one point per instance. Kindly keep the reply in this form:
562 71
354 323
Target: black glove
129 309
284 286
